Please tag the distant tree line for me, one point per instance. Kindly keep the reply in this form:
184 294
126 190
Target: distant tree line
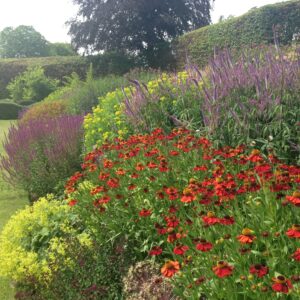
25 41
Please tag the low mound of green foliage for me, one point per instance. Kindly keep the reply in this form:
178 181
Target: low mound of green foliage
254 28
9 110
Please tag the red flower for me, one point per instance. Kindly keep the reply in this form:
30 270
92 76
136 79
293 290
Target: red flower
223 269
188 196
134 175
294 232
255 156
139 167
103 176
104 200
113 183
156 250
145 212
131 187
259 270
170 268
294 199
151 165
97 190
200 168
172 221
174 153
120 171
204 246
281 285
180 249
72 202
172 193
246 237
210 219
227 220
296 255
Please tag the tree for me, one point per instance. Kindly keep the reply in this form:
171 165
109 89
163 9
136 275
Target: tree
61 49
142 28
23 41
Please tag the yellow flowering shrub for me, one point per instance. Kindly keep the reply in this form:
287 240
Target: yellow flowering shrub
109 119
35 237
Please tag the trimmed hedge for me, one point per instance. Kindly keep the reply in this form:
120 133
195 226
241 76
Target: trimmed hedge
252 29
9 110
55 67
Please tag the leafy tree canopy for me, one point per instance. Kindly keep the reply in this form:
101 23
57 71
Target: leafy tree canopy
61 49
22 41
143 28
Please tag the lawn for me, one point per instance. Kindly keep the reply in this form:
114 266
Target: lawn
11 200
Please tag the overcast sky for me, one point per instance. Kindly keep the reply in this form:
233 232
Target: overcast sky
49 16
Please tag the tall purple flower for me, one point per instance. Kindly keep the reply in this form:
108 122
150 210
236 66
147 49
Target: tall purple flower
40 153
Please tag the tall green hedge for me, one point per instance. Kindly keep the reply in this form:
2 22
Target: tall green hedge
55 67
253 28
9 110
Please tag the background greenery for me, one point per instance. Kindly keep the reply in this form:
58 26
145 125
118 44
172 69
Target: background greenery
253 28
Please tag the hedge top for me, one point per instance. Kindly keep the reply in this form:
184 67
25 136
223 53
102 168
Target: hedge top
253 28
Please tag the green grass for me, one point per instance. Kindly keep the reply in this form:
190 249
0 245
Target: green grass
11 200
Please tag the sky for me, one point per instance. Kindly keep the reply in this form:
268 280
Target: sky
49 16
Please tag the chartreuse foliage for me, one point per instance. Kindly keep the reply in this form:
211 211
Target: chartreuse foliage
254 28
32 85
40 234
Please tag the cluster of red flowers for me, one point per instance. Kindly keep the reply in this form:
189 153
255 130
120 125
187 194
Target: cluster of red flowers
218 211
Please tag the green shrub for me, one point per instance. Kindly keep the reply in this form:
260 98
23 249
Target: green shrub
31 85
81 96
254 28
44 110
9 110
56 67
41 233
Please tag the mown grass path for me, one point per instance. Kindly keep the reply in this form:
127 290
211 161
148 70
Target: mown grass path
11 200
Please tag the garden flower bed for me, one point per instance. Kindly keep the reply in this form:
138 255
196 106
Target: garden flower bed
219 221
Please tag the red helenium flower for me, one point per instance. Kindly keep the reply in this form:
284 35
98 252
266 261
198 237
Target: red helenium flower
72 202
204 246
210 219
156 250
246 237
145 212
259 270
296 255
294 232
170 268
281 285
180 250
223 269
294 199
